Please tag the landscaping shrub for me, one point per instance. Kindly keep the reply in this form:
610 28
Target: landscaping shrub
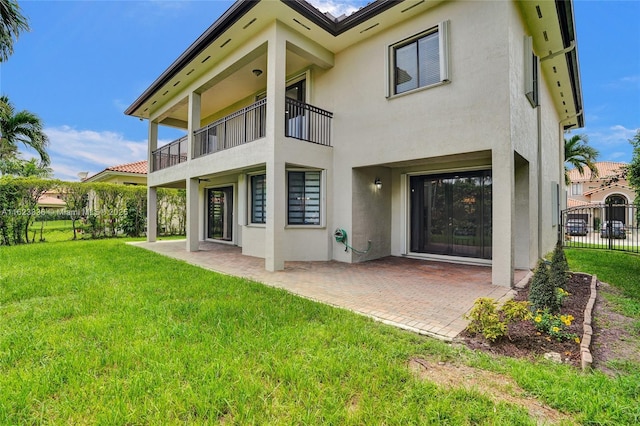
542 292
554 325
493 322
559 269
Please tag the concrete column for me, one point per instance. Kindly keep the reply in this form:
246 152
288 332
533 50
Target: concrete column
193 235
152 214
193 122
275 164
152 145
503 216
152 194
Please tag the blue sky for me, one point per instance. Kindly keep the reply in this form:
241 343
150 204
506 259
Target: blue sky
84 62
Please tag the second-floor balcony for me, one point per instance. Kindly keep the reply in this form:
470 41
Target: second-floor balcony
302 121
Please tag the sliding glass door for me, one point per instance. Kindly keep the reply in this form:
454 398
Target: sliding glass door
220 213
451 214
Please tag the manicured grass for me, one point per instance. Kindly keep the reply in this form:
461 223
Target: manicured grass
98 332
54 231
620 269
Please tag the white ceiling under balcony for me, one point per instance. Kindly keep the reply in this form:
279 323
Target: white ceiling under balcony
222 94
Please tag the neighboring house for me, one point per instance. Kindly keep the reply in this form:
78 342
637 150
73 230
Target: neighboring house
123 174
587 196
609 186
429 129
126 174
51 201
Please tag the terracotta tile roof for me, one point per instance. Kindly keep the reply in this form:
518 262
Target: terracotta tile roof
139 167
605 168
49 201
572 202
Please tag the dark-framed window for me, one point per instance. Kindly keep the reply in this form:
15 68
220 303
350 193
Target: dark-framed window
531 83
303 198
258 198
420 61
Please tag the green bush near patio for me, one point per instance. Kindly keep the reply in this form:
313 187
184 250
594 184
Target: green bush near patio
100 332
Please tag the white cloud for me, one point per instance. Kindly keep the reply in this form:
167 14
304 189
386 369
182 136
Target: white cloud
620 133
631 79
337 8
74 150
627 82
617 156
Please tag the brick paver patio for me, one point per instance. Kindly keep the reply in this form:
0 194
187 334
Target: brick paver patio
426 297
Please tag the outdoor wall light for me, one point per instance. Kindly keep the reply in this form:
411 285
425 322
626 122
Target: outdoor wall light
257 72
378 183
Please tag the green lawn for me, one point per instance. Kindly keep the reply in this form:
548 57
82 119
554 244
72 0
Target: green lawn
99 332
62 230
622 270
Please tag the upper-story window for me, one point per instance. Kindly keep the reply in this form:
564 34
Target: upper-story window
420 61
576 189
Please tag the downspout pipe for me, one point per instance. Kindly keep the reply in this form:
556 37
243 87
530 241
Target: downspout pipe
562 130
567 49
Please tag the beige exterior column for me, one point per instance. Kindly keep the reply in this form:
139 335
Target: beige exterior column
152 194
503 220
152 214
193 212
194 122
193 185
275 164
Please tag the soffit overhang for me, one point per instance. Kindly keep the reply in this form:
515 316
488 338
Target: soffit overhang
246 18
552 26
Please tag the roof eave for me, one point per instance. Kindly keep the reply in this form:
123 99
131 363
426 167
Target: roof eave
231 16
567 27
241 8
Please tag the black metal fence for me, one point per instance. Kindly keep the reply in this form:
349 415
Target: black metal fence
170 154
243 126
601 226
307 122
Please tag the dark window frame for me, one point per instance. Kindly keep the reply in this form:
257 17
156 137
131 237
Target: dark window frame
301 212
422 81
258 191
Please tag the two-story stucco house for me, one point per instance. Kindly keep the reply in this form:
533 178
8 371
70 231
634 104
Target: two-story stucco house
610 186
429 129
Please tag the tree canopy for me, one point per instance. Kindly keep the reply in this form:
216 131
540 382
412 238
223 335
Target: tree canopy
580 155
21 126
633 170
12 23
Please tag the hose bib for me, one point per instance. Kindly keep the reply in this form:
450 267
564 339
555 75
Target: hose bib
341 237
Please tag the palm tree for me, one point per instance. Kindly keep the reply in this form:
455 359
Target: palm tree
579 155
12 23
21 126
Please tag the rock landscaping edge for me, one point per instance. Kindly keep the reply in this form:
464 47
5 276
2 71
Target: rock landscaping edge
585 343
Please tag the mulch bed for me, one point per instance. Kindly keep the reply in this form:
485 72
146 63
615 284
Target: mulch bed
524 341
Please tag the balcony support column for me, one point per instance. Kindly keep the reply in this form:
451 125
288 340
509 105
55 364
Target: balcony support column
503 216
193 237
275 162
152 194
152 214
194 122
